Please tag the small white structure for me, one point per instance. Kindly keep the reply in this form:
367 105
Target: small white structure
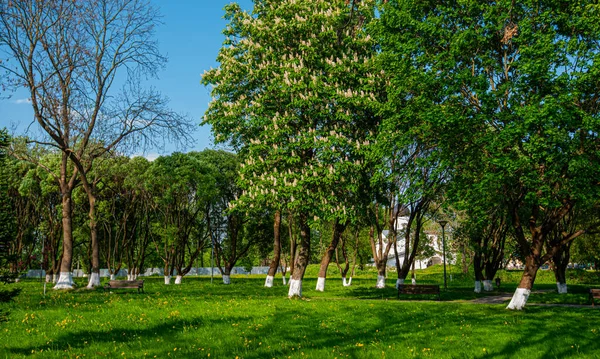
431 238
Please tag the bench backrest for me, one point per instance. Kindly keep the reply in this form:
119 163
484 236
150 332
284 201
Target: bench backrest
595 292
126 283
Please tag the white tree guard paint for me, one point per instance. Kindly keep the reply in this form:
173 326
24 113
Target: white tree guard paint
477 286
562 288
284 281
269 281
380 281
167 279
519 299
345 281
178 279
129 277
413 281
487 285
48 278
65 281
112 277
226 279
295 288
399 282
320 284
349 283
94 281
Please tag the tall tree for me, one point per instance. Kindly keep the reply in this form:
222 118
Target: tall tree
7 218
291 94
511 85
182 186
68 54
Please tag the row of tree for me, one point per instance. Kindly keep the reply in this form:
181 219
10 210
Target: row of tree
350 113
345 110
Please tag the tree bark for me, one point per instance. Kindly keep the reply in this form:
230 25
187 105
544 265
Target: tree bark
302 258
65 280
521 295
276 250
560 261
335 239
95 274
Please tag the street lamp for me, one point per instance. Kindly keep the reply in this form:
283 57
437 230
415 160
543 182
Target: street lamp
443 224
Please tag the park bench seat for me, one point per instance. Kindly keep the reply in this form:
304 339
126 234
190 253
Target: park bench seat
418 289
594 294
126 284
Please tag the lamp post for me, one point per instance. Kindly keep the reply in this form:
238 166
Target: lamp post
443 224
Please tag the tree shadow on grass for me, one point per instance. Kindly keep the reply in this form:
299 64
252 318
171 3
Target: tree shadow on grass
533 333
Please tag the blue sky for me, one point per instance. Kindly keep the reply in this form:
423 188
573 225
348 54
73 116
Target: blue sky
191 38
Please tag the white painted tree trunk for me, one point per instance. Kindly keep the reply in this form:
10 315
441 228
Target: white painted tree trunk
178 279
346 282
94 281
129 276
48 278
562 288
349 283
477 286
54 278
519 299
269 281
380 281
65 281
413 281
487 285
226 279
112 277
284 281
320 284
295 288
167 279
399 282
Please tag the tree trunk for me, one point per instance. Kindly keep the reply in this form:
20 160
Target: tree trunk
478 269
276 250
95 275
227 275
302 259
560 261
521 295
381 268
335 239
65 280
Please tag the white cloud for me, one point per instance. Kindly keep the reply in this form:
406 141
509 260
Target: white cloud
22 101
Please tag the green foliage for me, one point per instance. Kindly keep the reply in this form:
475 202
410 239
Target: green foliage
586 251
507 84
7 216
293 94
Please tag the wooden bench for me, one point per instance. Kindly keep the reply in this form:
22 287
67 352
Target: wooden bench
594 293
419 289
125 284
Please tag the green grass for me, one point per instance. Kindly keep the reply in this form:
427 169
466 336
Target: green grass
246 320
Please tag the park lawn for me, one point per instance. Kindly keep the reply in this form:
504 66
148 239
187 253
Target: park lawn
198 319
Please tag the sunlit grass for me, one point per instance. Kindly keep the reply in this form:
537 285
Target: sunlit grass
199 319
